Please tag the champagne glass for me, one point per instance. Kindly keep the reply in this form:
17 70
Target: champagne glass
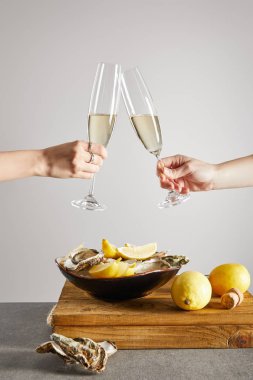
144 118
101 119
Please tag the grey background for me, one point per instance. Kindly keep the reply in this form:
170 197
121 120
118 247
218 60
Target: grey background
197 59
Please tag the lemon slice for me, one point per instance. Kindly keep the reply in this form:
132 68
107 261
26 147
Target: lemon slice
122 269
110 251
141 252
129 272
104 270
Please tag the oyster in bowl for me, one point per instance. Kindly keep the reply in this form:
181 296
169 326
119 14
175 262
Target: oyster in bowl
142 278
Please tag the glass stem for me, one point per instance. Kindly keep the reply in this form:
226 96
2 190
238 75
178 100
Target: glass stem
169 191
92 186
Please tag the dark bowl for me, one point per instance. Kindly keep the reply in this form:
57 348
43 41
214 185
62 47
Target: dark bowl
120 288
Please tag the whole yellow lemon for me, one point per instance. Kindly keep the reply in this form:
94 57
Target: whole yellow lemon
227 276
191 291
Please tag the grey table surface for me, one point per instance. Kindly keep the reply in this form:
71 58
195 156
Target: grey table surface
23 327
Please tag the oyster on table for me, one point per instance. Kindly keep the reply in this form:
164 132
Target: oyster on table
80 258
83 351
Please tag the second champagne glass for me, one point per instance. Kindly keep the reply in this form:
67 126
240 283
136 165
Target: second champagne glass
101 119
144 118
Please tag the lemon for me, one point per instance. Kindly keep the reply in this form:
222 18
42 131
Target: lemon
130 272
104 270
122 269
115 268
110 251
191 291
227 276
142 252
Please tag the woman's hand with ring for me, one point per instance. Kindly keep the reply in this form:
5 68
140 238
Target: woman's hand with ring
77 159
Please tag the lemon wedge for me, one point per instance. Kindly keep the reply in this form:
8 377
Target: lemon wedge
129 272
141 252
122 269
110 251
113 269
104 270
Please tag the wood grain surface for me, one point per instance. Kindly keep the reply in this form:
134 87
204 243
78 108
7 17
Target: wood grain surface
153 321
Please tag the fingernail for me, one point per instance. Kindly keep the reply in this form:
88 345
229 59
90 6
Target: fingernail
167 172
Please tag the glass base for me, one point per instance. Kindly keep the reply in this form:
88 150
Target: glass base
173 199
89 203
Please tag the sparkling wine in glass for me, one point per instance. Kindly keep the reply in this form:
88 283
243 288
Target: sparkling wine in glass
144 118
101 119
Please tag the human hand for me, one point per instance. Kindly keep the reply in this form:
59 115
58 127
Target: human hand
185 174
71 160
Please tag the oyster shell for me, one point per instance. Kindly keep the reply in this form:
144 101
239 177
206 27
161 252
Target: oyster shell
83 351
80 258
149 265
160 260
175 260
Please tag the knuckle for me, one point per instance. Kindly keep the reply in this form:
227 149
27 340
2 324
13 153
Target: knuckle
74 165
77 145
188 166
74 156
74 161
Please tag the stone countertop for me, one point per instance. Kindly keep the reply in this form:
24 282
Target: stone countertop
23 327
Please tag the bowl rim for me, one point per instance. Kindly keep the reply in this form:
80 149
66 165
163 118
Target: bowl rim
115 278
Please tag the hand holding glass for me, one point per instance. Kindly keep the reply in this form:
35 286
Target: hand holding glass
101 119
144 118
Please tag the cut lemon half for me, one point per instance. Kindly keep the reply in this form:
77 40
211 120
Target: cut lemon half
104 270
141 252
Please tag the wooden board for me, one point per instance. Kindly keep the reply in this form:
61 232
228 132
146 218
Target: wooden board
153 321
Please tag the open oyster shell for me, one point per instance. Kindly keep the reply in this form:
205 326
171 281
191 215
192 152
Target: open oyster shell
174 260
83 351
161 260
80 258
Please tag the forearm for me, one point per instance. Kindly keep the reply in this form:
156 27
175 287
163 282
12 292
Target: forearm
20 164
233 174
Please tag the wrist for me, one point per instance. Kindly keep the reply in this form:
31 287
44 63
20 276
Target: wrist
217 176
40 163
